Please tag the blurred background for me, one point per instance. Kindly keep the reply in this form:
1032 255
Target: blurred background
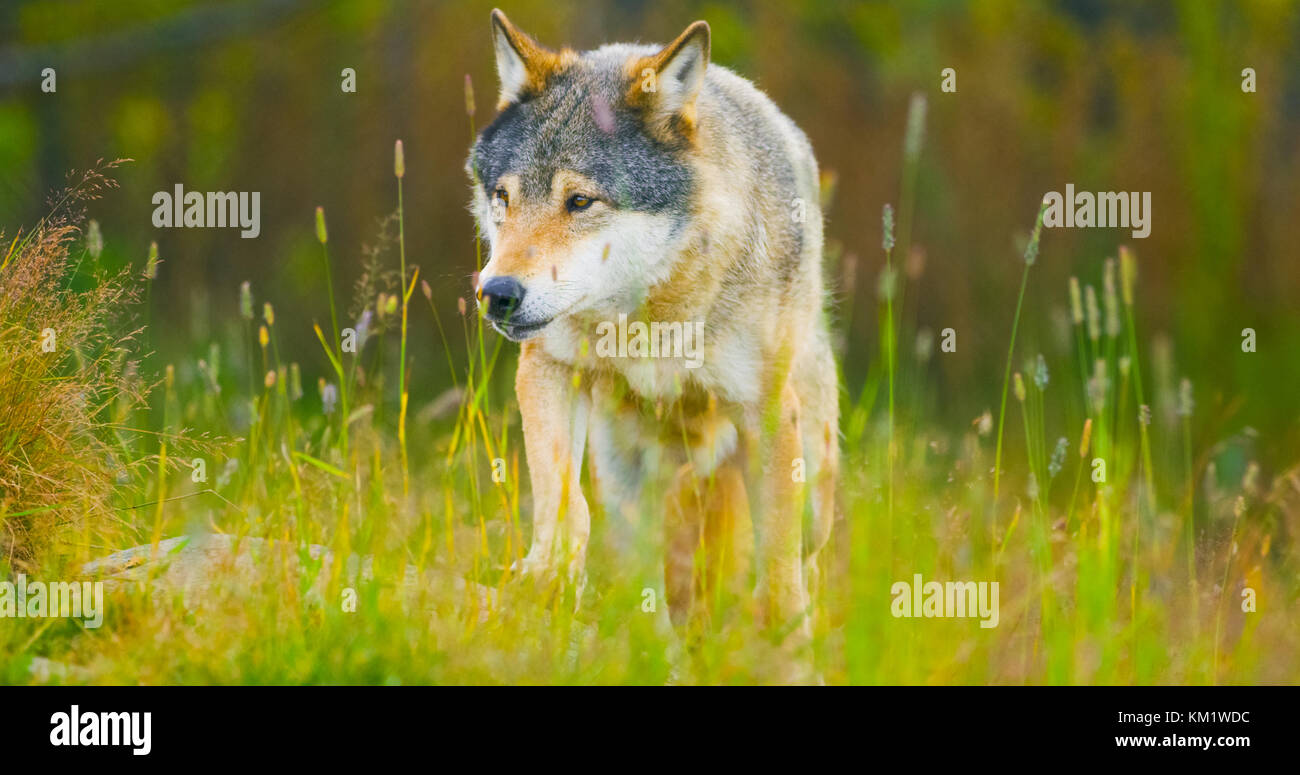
1110 96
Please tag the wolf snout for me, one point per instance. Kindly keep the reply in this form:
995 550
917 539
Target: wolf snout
502 297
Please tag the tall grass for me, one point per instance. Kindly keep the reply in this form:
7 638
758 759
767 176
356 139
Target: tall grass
1031 254
419 526
70 386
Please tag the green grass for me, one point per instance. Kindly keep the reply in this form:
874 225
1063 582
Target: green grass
1098 580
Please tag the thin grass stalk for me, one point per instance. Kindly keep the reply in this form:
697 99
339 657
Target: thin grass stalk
1031 254
399 170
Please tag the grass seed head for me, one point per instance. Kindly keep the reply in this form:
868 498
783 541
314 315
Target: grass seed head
915 264
94 240
1094 313
1031 248
924 345
1185 402
827 182
914 136
321 235
1127 274
1250 480
1097 386
1111 299
1058 457
329 396
151 264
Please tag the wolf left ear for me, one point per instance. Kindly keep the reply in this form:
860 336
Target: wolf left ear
670 81
523 65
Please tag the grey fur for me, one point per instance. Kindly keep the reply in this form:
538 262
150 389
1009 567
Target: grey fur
561 129
699 221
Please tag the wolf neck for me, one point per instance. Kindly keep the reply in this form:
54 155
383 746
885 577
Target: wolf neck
692 282
712 244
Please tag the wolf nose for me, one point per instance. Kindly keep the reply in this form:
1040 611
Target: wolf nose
503 295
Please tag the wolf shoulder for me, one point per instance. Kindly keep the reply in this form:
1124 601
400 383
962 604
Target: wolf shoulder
753 129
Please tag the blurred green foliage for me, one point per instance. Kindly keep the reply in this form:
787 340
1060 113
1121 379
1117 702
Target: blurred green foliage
1104 94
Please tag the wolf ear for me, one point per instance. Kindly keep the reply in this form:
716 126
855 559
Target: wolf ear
669 81
523 65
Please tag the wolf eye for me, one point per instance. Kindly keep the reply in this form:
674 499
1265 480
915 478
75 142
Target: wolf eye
501 194
579 202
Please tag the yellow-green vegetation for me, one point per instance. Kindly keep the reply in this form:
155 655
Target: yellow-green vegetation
1126 530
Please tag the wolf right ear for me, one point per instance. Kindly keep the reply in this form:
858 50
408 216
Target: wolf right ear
523 65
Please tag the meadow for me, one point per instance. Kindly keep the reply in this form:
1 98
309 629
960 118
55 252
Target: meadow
300 520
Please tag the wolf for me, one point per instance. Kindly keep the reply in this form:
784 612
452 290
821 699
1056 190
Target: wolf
644 183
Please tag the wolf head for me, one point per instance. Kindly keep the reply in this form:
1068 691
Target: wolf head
583 182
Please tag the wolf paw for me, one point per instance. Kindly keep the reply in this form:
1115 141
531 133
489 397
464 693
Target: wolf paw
549 580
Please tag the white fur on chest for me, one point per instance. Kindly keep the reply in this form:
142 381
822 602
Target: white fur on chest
729 368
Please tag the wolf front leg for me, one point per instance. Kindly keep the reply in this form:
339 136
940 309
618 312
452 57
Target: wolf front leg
555 411
780 594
